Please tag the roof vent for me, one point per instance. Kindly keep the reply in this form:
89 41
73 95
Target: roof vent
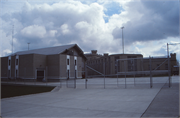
94 51
106 54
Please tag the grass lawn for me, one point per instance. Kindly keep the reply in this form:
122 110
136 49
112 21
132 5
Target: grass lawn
11 90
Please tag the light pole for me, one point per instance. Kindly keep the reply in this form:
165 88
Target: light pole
12 37
168 47
28 46
122 39
169 72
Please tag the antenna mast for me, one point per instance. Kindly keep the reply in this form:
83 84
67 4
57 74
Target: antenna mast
12 37
122 39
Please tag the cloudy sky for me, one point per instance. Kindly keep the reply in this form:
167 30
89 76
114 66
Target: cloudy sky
92 24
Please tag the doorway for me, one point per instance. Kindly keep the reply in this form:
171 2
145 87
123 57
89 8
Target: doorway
40 75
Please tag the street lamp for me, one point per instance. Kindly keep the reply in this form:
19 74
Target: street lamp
28 45
168 47
169 72
122 39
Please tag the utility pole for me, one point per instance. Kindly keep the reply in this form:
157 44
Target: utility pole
122 39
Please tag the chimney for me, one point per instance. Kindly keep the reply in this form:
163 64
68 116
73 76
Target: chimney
106 54
94 51
173 56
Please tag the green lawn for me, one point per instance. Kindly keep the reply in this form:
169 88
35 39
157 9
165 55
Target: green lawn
11 90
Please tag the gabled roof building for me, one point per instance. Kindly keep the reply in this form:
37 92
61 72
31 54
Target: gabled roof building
60 62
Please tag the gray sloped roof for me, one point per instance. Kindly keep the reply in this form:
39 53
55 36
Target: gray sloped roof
47 51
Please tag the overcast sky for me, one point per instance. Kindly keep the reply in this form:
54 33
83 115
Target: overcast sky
92 24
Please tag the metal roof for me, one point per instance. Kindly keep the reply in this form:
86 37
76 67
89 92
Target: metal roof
47 51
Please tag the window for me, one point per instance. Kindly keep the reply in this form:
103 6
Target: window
16 61
68 74
67 61
75 62
9 62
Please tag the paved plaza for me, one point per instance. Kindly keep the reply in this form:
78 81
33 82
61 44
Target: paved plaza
135 99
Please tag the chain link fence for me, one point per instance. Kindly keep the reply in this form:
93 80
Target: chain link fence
128 71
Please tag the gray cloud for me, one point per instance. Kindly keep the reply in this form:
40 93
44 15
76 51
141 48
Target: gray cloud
155 20
59 23
66 22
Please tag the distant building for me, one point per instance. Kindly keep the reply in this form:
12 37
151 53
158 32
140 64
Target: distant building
60 62
108 65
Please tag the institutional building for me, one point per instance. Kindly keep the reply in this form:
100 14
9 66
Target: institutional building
59 62
68 61
110 65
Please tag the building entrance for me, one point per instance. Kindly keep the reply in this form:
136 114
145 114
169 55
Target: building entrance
40 75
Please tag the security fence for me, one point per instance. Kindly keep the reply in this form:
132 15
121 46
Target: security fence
158 66
130 67
121 73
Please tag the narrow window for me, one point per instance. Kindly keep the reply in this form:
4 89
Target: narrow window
16 61
68 74
9 62
75 62
67 61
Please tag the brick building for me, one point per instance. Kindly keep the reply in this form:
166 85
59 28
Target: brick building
108 64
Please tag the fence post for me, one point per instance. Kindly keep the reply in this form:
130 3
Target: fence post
125 72
134 71
67 79
60 83
117 72
169 71
35 78
7 76
15 78
85 76
74 76
104 74
46 75
150 72
24 75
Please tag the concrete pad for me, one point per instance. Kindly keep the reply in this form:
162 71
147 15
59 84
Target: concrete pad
166 102
80 102
107 100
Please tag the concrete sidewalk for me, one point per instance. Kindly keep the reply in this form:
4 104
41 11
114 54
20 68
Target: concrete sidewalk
166 102
80 102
